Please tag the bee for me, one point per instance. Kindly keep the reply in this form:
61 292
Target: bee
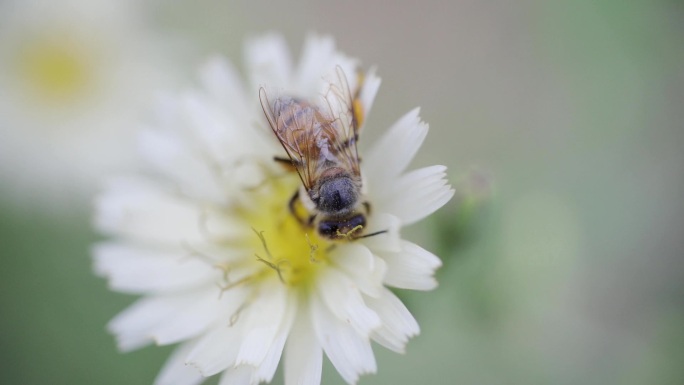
320 141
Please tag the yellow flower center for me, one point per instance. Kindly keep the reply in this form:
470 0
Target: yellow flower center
54 68
286 247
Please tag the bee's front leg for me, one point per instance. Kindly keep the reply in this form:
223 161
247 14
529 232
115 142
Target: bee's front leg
304 221
367 206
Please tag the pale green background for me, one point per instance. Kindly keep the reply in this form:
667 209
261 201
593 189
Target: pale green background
571 274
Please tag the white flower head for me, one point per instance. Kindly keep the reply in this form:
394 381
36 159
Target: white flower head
73 75
226 267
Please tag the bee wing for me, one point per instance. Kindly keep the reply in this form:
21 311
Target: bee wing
317 139
293 125
345 114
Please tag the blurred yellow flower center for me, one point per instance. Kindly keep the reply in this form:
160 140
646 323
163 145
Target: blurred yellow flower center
54 68
284 245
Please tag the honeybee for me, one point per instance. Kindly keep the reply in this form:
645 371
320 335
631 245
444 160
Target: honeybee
320 141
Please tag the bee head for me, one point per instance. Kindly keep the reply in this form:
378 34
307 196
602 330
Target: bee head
335 229
337 194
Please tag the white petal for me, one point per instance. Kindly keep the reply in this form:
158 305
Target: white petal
141 210
361 266
412 268
303 353
138 209
139 270
344 300
264 316
238 375
269 365
392 153
132 326
171 154
386 229
175 372
269 61
398 325
267 369
216 350
420 178
214 133
317 60
192 320
349 352
220 78
167 319
429 205
371 84
215 136
415 195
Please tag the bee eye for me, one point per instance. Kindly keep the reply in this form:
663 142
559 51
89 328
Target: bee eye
358 220
328 228
333 228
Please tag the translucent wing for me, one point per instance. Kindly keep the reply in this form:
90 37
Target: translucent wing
316 138
345 112
293 123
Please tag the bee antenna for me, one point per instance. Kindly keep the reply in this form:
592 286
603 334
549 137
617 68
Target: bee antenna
372 234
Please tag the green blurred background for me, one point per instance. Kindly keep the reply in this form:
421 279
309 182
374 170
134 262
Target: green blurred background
561 124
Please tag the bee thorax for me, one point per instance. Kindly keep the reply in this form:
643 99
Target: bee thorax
337 195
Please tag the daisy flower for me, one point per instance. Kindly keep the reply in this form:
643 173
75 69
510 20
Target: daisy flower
73 74
225 267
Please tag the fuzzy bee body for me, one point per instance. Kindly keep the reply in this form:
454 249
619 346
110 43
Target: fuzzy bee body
320 141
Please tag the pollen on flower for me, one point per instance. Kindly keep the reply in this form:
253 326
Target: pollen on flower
281 243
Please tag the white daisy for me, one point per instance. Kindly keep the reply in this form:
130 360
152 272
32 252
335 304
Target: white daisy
226 269
73 74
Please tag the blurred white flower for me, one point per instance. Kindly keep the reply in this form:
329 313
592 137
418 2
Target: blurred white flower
73 74
224 266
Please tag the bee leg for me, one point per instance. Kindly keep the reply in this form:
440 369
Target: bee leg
293 209
285 162
367 206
